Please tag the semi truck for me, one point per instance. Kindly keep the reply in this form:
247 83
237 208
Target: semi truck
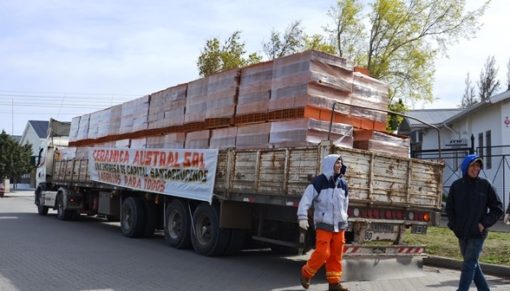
252 194
220 199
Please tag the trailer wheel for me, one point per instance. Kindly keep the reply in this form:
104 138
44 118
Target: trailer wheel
207 238
63 214
41 209
132 221
178 224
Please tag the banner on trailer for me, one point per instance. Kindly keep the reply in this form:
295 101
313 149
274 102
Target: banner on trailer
187 173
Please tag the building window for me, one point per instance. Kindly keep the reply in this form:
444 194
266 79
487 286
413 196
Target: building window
488 150
480 144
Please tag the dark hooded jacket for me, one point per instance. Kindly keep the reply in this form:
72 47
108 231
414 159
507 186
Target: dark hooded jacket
472 201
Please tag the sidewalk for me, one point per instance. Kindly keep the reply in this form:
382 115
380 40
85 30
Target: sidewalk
20 193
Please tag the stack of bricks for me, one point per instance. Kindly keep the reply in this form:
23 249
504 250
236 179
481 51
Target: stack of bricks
308 131
134 115
285 102
381 142
221 98
254 93
169 140
166 107
196 103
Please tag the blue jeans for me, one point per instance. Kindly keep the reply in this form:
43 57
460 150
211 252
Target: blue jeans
471 271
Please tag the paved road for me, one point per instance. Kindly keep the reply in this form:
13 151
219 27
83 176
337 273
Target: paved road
43 253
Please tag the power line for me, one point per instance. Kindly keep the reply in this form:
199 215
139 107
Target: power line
55 93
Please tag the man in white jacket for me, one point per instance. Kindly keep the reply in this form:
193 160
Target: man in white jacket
328 193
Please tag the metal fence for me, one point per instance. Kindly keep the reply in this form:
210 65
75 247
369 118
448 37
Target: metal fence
496 166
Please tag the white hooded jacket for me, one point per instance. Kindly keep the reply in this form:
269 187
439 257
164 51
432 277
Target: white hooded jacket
329 197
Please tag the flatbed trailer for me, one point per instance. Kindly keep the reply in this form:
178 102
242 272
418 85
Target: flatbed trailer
255 197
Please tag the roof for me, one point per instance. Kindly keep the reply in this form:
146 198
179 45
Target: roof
431 116
40 127
492 100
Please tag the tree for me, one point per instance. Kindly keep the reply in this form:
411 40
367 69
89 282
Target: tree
469 97
14 158
317 42
348 29
216 58
508 75
488 84
290 42
403 39
393 120
294 40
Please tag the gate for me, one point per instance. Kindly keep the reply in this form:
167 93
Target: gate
496 166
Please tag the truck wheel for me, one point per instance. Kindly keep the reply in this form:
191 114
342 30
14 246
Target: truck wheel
207 238
132 221
41 210
150 218
63 214
237 241
177 228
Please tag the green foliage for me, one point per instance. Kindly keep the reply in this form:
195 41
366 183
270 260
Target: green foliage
14 158
404 38
348 30
440 241
317 42
287 43
216 57
294 40
394 119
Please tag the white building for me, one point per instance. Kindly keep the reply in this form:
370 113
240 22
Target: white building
483 127
35 134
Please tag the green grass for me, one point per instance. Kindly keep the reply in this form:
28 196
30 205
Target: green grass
440 241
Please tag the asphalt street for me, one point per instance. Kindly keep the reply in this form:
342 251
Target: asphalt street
43 253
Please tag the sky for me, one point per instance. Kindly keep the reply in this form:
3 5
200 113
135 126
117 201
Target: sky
60 59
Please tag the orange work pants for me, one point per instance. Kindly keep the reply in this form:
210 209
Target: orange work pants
329 247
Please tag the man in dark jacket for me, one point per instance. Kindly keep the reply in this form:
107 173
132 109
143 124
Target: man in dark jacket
472 207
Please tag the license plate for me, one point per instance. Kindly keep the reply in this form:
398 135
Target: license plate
419 229
377 236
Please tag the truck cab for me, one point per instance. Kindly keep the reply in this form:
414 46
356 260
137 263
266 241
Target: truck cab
51 150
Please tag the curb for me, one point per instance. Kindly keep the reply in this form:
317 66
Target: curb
489 269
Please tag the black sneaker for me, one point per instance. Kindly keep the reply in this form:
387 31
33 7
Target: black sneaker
305 282
337 287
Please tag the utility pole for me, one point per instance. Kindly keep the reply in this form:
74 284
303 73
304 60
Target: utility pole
12 117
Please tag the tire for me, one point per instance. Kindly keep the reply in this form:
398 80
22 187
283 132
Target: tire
111 218
150 218
132 221
237 241
41 210
63 214
206 237
178 225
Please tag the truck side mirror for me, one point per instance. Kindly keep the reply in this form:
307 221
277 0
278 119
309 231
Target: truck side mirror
39 158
